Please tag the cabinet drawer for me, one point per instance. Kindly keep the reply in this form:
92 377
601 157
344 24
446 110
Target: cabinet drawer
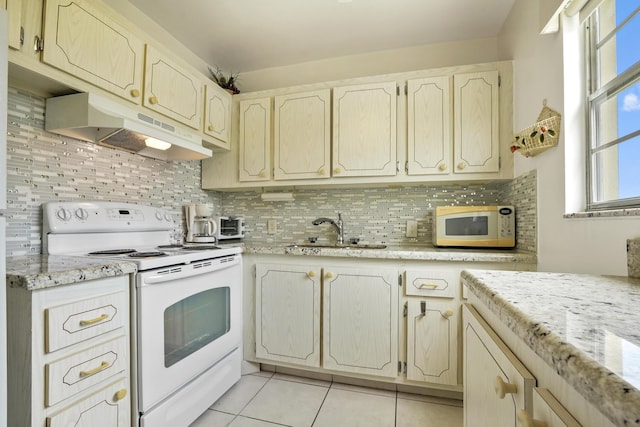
432 283
109 406
80 320
79 371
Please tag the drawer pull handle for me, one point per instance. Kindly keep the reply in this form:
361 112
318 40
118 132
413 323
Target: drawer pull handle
120 394
502 388
525 420
102 367
423 308
94 321
429 285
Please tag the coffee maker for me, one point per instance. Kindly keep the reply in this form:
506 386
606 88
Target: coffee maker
201 228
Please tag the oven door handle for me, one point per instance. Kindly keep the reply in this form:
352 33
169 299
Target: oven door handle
173 273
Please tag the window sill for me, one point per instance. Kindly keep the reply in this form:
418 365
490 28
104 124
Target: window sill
611 213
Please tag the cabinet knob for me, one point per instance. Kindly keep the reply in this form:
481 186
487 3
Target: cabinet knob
153 100
502 388
329 275
311 274
448 313
210 128
120 394
462 165
135 93
322 171
525 420
337 170
442 166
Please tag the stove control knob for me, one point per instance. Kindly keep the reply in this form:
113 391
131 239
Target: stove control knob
63 214
159 215
167 217
82 214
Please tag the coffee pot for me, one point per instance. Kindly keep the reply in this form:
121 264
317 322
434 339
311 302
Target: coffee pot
201 228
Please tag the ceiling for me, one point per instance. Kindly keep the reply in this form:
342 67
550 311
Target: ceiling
248 35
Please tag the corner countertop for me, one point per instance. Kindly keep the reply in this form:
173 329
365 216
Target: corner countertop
572 321
423 253
45 271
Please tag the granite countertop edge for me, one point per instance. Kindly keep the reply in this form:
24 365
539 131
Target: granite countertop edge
611 394
419 253
33 272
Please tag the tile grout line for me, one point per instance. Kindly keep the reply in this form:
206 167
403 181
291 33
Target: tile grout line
250 400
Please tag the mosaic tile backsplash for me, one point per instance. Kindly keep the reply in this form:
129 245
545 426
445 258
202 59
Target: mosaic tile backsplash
42 167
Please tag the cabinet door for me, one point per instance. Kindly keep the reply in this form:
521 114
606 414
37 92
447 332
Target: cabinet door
255 140
84 41
302 135
364 130
288 314
217 114
16 30
432 341
171 90
476 133
360 321
547 410
487 363
429 126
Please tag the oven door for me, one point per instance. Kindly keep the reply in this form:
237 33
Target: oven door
189 317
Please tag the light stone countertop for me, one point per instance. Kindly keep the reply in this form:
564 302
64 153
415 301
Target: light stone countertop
424 253
44 271
572 322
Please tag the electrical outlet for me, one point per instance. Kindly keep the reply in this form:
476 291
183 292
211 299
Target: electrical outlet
272 226
412 228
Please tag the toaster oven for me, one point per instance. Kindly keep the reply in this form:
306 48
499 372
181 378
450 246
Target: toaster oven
230 227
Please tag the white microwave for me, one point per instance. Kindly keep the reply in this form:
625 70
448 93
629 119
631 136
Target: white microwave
474 226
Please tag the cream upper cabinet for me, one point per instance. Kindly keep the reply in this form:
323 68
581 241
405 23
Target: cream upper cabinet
288 314
476 133
364 130
83 40
255 140
302 135
171 90
432 340
360 321
25 26
217 114
429 142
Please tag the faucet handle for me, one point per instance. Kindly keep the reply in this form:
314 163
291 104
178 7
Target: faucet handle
339 216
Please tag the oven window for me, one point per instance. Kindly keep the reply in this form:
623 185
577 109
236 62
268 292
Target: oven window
194 322
468 226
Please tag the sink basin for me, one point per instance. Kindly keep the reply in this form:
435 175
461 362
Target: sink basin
338 246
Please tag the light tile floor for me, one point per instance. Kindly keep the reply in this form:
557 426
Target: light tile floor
272 399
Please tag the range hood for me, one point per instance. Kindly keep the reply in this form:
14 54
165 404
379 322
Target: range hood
94 118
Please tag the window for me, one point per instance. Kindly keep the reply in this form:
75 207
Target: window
613 99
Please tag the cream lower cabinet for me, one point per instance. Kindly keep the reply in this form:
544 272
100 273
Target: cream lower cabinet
364 130
288 314
547 412
497 386
83 39
359 318
69 355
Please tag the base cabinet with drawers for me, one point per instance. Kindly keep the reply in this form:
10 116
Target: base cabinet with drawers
69 355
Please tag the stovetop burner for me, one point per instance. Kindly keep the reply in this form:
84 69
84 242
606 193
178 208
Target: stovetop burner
199 248
172 246
113 252
147 254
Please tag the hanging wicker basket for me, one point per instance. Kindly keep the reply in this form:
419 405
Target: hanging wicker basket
539 137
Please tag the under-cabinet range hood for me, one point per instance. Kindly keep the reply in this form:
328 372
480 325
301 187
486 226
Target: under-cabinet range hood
94 118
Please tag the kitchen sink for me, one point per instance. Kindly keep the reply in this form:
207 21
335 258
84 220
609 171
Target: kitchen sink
339 246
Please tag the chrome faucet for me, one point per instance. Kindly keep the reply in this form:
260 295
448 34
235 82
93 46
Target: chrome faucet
339 226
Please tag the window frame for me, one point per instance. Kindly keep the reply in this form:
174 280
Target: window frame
596 96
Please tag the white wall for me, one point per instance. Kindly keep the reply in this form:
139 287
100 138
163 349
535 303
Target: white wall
372 64
595 245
